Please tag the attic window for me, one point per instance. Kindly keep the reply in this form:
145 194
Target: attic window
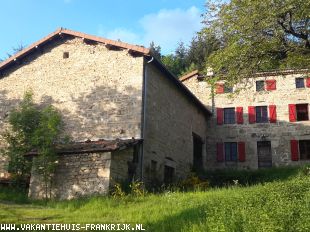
65 55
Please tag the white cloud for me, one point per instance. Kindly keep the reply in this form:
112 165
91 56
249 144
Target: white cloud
166 28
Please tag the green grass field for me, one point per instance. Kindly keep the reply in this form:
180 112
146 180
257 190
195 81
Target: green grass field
280 205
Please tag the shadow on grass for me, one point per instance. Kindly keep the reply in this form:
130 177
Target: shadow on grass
180 221
221 178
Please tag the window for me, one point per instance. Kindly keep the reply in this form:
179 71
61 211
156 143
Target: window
304 149
300 83
168 174
302 112
228 89
230 151
261 114
65 55
260 86
229 115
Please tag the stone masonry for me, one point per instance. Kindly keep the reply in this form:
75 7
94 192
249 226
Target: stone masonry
84 174
279 134
98 90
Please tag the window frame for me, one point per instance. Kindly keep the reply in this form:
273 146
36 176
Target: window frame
226 118
300 118
263 86
304 149
231 151
259 111
303 82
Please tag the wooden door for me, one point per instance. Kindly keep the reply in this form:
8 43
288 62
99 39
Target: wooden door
264 154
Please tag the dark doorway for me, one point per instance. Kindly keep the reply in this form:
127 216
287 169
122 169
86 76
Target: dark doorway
197 153
264 154
168 174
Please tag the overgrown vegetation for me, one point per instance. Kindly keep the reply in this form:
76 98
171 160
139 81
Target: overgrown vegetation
36 130
281 205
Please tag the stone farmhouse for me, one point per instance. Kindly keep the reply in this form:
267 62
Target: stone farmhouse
127 115
264 125
129 118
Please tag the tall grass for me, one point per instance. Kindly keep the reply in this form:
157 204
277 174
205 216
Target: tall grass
281 205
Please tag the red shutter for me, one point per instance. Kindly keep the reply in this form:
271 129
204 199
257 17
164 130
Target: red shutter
241 151
251 114
308 82
220 152
292 112
271 85
219 88
239 112
219 116
272 114
294 150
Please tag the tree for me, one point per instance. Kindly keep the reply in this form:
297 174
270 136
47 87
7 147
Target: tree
15 50
33 129
155 50
258 35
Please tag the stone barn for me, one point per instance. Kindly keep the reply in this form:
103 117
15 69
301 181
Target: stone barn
265 125
127 115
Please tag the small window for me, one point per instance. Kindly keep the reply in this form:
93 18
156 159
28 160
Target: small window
261 114
168 174
65 55
229 115
228 89
230 151
260 86
300 83
304 149
302 112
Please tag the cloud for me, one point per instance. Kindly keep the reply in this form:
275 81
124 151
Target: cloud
166 28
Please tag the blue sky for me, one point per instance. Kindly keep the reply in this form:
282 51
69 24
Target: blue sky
166 22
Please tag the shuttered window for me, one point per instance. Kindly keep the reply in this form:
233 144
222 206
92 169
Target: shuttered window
220 152
304 149
292 112
229 116
271 85
294 150
302 112
219 88
241 151
272 114
219 116
230 151
260 86
308 82
251 114
300 83
261 114
239 114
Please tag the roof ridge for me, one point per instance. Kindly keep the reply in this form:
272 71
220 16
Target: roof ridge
25 51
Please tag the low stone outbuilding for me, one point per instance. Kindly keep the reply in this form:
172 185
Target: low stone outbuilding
108 91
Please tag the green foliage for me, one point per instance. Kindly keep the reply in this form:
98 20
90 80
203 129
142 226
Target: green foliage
134 188
281 205
258 35
33 130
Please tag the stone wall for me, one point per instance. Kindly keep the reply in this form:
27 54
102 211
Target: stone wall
171 118
98 90
279 133
84 174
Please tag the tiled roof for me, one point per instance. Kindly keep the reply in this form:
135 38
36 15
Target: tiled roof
60 31
259 74
93 146
189 75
